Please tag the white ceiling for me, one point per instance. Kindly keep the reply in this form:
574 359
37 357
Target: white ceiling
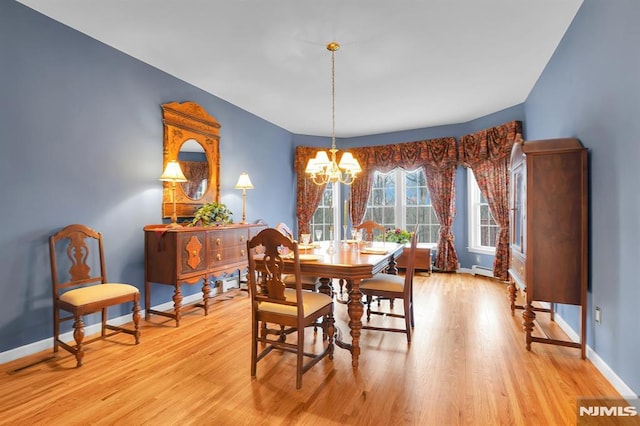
403 64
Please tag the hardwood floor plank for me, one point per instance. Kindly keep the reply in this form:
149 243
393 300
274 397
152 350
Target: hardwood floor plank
467 364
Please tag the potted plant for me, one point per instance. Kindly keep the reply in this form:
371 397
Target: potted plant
397 235
211 214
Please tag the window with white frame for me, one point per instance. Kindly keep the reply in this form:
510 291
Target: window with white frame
483 230
323 217
400 199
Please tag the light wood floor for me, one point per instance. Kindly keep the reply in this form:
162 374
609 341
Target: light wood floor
467 365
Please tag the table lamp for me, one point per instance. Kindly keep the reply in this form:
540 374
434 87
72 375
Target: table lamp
173 173
244 183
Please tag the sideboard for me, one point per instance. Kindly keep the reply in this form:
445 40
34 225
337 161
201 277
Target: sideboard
422 260
188 255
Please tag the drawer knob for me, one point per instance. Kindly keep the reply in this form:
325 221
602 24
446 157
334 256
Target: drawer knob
242 253
218 241
219 256
242 238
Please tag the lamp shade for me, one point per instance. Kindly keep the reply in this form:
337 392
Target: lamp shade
244 182
322 159
173 173
347 161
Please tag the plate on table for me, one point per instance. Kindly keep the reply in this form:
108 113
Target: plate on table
309 257
374 250
306 246
350 241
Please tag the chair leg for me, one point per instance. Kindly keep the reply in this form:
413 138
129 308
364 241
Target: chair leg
369 301
408 318
411 310
136 320
56 328
300 358
103 330
330 332
254 347
78 335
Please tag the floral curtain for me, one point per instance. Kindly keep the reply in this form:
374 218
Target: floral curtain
488 153
437 157
309 194
195 172
440 172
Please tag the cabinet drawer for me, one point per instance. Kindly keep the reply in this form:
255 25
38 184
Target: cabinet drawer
224 238
227 246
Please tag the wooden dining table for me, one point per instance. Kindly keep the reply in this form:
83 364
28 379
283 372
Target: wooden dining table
352 264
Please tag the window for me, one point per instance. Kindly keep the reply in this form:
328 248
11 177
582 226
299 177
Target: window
400 199
483 230
323 217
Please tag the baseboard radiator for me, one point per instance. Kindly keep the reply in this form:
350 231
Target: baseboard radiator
482 270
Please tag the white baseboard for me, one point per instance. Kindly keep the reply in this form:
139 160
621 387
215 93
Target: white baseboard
482 270
595 359
43 345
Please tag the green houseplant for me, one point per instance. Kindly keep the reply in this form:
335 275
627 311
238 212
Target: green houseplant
212 214
397 235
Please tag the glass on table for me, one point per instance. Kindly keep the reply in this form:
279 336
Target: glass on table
305 239
358 237
318 234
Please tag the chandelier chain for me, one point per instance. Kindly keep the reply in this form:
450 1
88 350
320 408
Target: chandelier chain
325 168
333 99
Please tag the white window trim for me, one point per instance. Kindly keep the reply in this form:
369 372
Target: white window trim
473 213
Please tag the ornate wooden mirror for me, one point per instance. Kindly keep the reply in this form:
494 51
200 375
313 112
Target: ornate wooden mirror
191 136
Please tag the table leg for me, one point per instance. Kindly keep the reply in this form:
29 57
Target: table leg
393 266
325 287
355 309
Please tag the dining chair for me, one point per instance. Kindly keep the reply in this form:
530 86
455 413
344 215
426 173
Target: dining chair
368 228
392 287
273 303
80 291
309 282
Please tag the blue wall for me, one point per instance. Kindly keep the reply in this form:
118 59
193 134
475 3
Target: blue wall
590 90
82 143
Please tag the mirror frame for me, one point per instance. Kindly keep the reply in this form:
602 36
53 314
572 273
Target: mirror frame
181 122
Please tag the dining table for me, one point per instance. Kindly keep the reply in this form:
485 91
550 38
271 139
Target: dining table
352 262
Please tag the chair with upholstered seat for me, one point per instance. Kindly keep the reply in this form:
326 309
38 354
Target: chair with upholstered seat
80 291
369 229
393 287
309 282
273 303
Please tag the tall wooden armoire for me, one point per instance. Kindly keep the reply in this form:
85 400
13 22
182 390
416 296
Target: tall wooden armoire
549 231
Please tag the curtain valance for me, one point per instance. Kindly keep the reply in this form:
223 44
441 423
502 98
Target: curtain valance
438 153
491 144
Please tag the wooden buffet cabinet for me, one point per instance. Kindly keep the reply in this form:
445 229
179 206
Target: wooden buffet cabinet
549 240
422 260
175 256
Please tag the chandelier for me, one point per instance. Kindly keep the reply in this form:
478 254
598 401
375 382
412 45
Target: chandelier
324 168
